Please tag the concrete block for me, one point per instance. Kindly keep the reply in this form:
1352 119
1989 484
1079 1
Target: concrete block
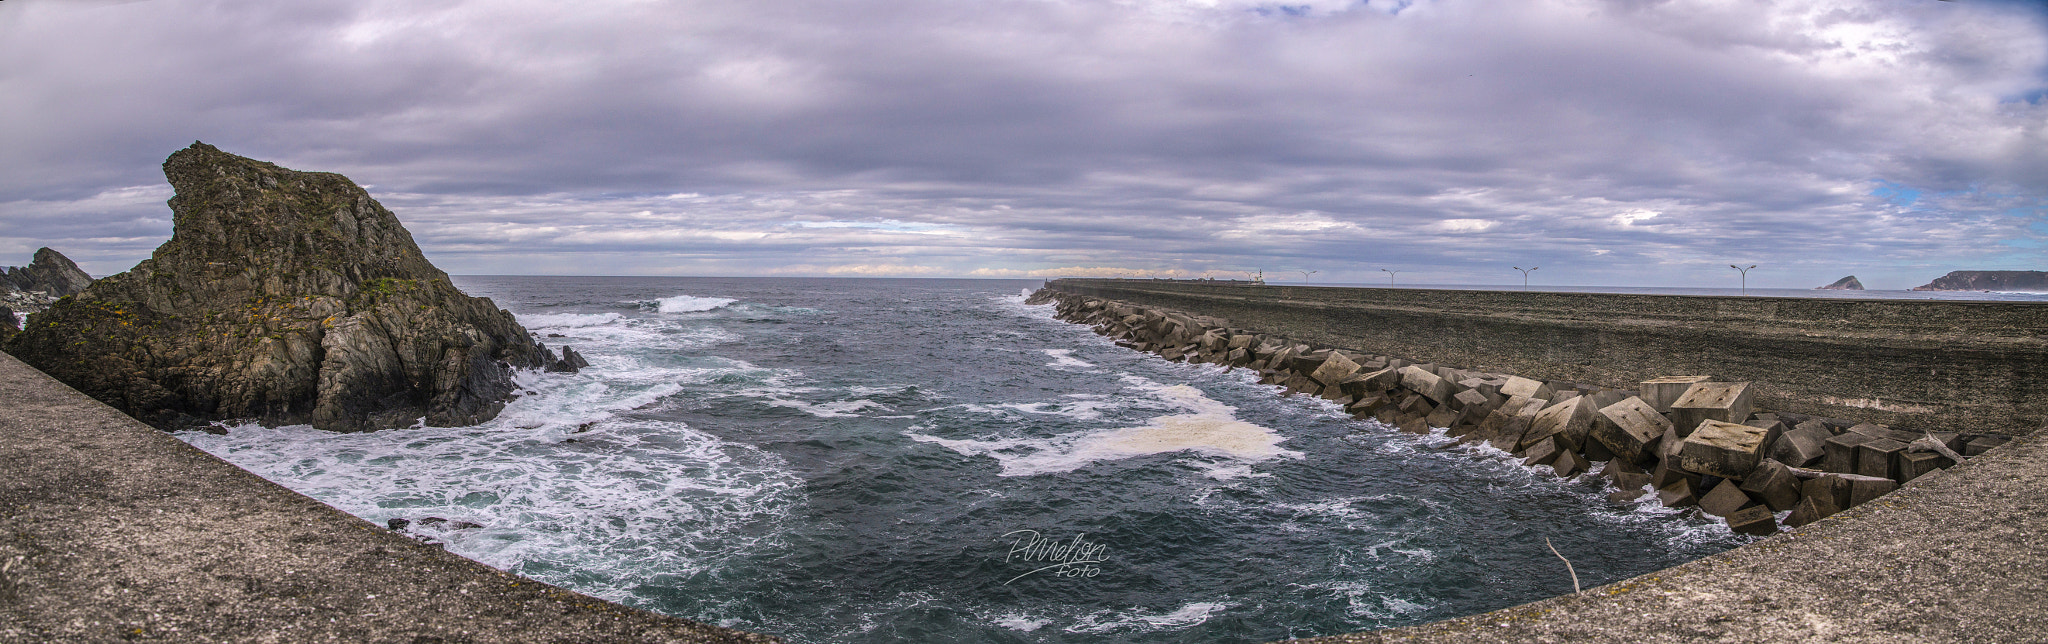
1568 464
1724 449
1661 392
1801 446
1864 488
1387 414
1728 402
1428 384
1603 398
1413 425
1540 452
1237 357
1833 488
1568 422
1518 427
1668 472
1302 384
1878 457
1416 406
1913 465
1630 428
1724 499
1773 484
1811 509
1982 444
1376 381
1594 451
1519 386
1755 520
1472 401
1334 370
1678 494
1629 480
1841 453
1446 416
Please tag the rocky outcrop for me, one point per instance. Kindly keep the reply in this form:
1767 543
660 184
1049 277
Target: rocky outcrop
285 297
50 275
1989 281
1849 283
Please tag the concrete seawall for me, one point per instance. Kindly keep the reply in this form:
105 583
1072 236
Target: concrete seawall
1971 366
113 531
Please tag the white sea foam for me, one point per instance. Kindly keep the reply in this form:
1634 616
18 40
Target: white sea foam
1207 427
1183 617
567 320
1065 358
690 303
1018 621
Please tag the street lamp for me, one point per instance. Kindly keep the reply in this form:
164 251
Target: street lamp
1525 274
1745 276
1305 274
1390 276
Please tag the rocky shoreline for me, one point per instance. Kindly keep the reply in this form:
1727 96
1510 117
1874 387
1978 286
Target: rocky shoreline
1689 440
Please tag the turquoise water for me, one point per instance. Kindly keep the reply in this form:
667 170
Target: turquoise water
846 460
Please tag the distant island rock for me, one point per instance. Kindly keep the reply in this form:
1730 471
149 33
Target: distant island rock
284 297
48 276
1845 284
1988 281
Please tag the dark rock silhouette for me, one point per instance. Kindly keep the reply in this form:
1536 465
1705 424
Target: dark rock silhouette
1988 281
1845 284
50 272
285 297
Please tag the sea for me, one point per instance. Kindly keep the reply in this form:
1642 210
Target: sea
891 460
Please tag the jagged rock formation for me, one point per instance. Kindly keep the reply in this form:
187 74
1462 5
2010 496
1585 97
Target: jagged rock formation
285 297
1988 281
1849 283
49 276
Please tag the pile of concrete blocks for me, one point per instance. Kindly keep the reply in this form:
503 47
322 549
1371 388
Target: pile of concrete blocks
1691 441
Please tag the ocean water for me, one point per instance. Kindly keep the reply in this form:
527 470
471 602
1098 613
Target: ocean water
852 460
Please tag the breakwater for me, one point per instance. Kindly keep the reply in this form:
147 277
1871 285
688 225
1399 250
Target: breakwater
1911 365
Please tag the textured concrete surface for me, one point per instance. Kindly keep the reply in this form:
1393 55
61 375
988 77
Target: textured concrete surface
1960 555
1942 365
113 531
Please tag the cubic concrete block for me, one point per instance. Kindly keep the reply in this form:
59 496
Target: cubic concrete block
1413 425
1334 370
1801 446
1518 427
1678 494
1603 398
1473 401
1913 465
1445 416
1568 422
1773 484
1755 520
1878 457
1428 384
1834 488
1661 392
1811 509
1540 452
1416 406
1864 488
1723 449
1841 453
1728 402
1519 386
1568 464
1237 357
1630 428
1668 472
1594 451
1724 499
1982 444
1387 414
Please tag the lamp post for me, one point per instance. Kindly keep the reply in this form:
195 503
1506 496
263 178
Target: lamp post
1525 274
1305 274
1390 276
1745 276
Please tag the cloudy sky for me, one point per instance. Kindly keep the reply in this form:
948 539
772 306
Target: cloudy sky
1610 142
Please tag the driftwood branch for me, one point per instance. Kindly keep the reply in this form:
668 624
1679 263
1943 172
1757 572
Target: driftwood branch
1930 443
1567 565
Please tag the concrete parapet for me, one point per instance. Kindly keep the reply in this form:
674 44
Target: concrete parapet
117 531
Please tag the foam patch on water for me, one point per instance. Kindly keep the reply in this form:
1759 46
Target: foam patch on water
1206 427
1065 358
1187 615
688 304
567 320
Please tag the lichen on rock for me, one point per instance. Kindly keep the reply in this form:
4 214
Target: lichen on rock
284 297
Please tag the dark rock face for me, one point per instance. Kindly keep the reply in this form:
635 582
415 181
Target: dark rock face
1988 281
286 297
49 276
1849 283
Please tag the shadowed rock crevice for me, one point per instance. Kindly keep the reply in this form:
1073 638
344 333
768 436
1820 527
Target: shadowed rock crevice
286 297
